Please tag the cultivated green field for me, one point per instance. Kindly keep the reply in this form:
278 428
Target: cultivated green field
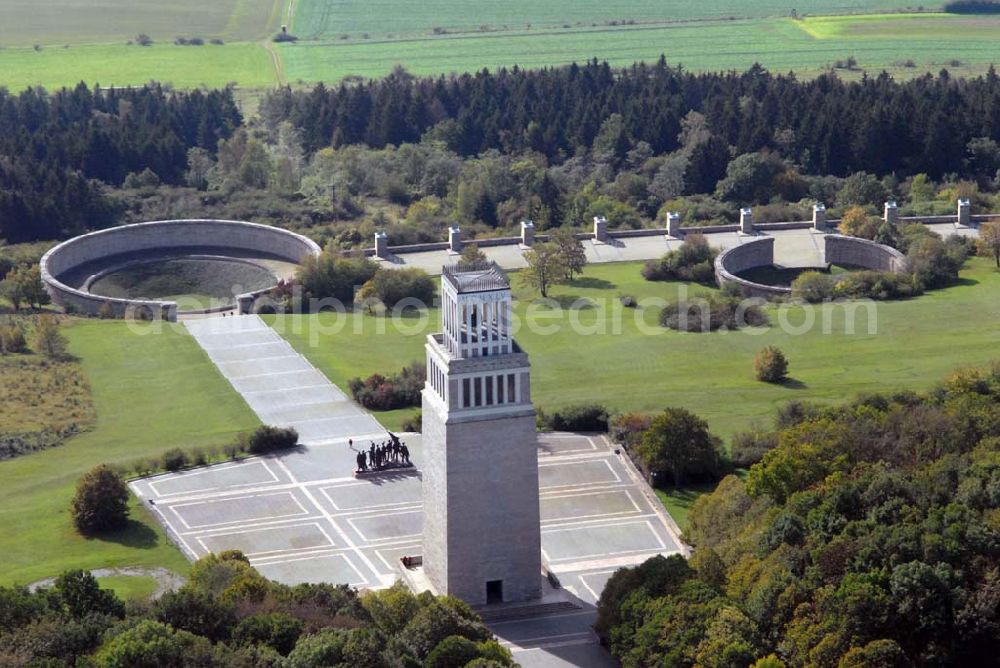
780 44
901 27
329 19
151 393
58 22
340 38
916 344
120 65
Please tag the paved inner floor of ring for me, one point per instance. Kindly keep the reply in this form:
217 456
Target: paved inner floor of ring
303 517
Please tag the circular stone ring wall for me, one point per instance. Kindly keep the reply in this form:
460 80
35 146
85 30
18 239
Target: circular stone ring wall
837 249
168 235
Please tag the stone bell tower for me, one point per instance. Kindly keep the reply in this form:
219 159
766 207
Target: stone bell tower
480 471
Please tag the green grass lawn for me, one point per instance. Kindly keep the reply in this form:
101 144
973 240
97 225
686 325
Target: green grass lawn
129 587
151 393
916 344
248 64
678 501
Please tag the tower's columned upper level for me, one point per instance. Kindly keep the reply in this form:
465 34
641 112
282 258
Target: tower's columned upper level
474 364
475 310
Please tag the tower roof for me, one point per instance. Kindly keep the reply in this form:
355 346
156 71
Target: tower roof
476 277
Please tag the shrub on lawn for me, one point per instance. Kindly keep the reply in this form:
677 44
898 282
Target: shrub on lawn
579 417
391 286
770 365
693 261
382 393
174 459
814 287
725 310
101 501
935 263
331 275
878 285
267 438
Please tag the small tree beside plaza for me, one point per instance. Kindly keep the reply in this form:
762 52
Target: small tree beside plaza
555 261
101 501
989 240
770 365
544 268
570 251
678 442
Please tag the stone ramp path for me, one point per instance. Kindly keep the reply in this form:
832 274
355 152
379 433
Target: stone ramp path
281 386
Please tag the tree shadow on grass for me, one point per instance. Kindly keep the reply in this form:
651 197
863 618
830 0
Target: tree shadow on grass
135 535
965 282
592 282
793 384
575 302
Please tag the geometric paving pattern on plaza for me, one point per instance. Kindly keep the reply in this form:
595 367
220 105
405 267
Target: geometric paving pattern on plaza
303 517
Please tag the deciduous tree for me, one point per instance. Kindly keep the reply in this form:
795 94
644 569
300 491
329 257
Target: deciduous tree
678 442
989 240
101 501
545 267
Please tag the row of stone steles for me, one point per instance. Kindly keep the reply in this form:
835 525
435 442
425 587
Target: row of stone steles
600 233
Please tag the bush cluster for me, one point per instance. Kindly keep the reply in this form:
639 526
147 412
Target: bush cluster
693 261
749 447
267 438
627 428
578 417
392 286
725 310
260 441
12 339
381 393
972 7
334 276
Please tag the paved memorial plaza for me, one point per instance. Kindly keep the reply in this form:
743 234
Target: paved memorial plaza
303 517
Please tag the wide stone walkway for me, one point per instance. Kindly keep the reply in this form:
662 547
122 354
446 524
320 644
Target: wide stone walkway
279 384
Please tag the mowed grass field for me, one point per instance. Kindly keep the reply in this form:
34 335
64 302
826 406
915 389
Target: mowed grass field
916 344
151 393
780 44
